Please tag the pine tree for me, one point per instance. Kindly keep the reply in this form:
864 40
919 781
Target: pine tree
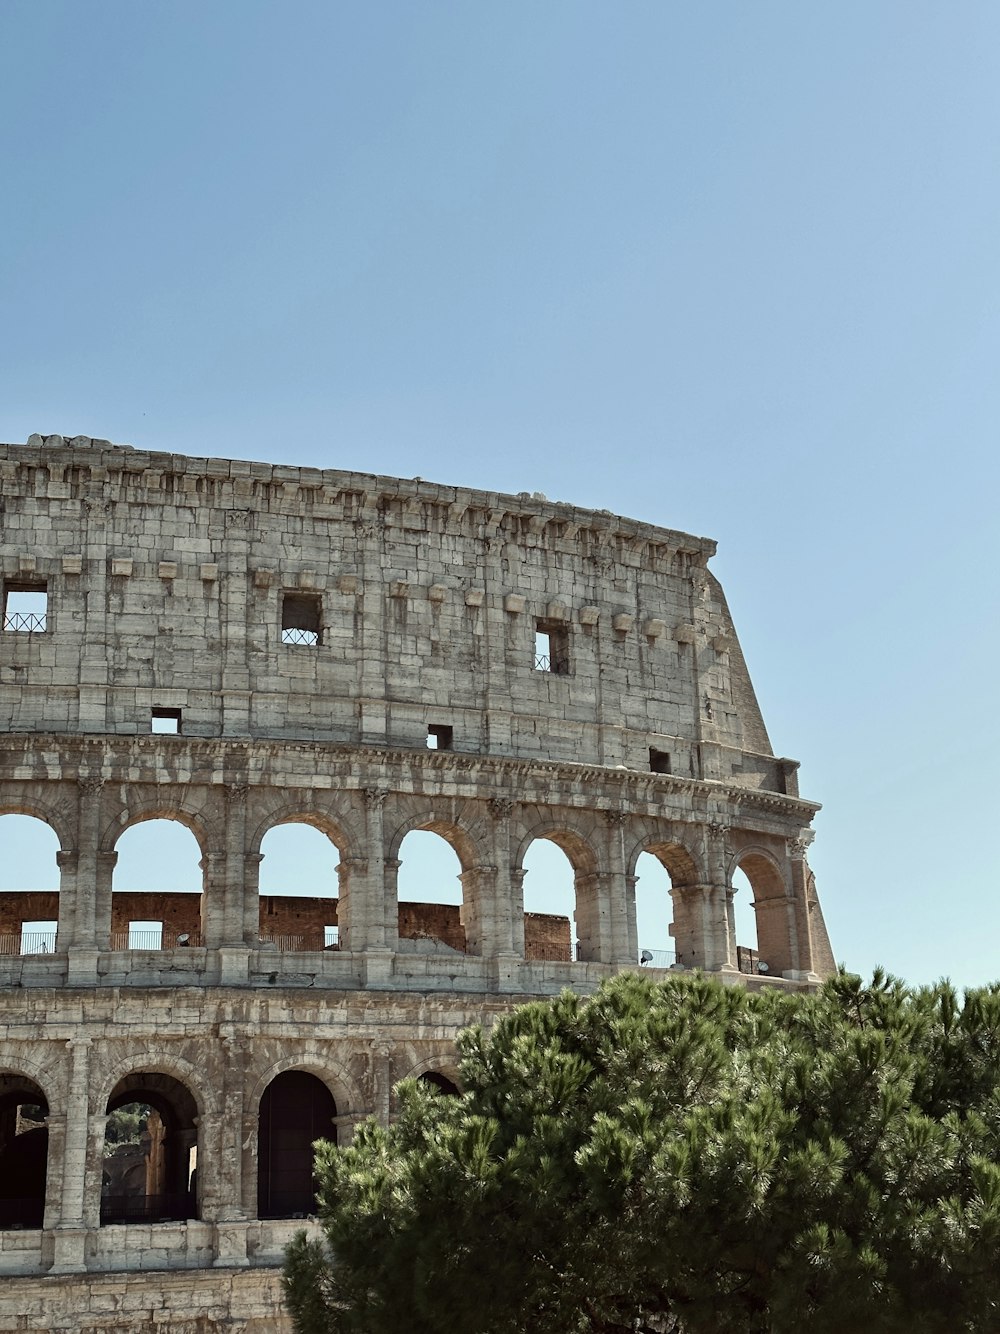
680 1156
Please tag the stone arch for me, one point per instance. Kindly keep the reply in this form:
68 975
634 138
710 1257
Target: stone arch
345 1097
60 816
437 925
676 858
460 824
150 1172
338 826
295 1110
577 845
141 811
333 1073
155 1061
665 920
777 948
32 901
164 917
435 1065
591 910
316 915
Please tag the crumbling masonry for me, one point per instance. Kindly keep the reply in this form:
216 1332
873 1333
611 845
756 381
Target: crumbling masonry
298 639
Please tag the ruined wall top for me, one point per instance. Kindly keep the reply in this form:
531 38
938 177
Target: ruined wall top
239 598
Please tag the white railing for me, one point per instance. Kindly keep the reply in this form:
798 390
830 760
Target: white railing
27 942
657 958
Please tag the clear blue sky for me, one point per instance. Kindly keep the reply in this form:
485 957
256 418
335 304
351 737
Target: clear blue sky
732 268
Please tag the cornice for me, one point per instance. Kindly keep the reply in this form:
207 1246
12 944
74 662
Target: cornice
221 761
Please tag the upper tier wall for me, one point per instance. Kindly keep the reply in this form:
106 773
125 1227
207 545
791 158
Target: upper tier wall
169 579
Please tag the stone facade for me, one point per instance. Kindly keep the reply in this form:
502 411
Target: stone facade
305 636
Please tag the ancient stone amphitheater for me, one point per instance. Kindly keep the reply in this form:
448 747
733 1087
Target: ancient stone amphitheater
238 645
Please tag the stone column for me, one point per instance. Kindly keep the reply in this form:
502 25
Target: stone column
479 915
690 929
381 1068
105 869
351 871
84 932
213 894
375 929
593 916
620 938
721 935
802 966
234 890
222 1191
517 874
70 1230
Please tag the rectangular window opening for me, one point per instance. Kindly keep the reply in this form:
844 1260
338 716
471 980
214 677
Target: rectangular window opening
439 737
659 761
331 937
25 607
145 935
551 648
166 722
38 937
301 619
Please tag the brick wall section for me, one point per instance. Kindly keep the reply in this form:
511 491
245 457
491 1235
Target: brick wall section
304 920
16 909
547 937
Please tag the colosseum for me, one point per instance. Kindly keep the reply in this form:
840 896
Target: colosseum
236 646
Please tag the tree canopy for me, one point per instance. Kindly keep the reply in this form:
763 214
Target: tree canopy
679 1156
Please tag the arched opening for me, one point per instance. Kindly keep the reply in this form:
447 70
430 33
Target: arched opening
156 887
24 1150
550 907
296 1110
654 913
29 886
441 1082
744 923
429 892
670 911
149 1170
763 930
299 888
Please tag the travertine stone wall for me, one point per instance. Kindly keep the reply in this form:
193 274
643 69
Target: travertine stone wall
167 581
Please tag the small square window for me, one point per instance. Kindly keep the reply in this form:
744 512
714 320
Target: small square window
145 935
38 937
166 722
25 608
659 761
551 648
439 737
301 620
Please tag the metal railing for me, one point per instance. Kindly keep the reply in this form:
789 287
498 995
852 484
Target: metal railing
282 941
25 622
308 637
657 958
154 940
171 1208
28 942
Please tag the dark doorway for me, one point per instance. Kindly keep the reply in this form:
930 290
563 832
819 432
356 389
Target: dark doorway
441 1082
296 1110
24 1148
